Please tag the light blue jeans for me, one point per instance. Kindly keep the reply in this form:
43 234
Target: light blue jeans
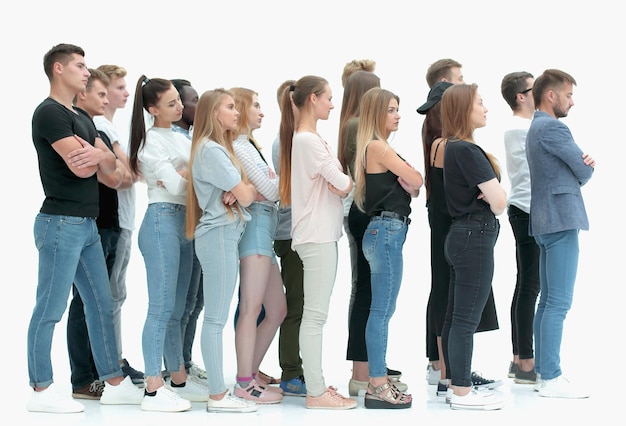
70 252
558 265
217 251
117 279
168 256
382 247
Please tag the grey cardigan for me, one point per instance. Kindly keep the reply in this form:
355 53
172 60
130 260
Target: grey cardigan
557 172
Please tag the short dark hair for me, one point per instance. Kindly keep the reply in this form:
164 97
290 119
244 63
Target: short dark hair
440 69
60 53
180 84
550 79
512 84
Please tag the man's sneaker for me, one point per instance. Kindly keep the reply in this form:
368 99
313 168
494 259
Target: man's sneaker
482 383
164 400
538 383
393 375
135 375
50 400
525 377
513 367
357 387
230 404
560 387
126 393
442 387
330 400
191 390
294 387
257 393
432 376
91 391
196 371
477 399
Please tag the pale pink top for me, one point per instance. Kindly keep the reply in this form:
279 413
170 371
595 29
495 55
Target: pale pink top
316 212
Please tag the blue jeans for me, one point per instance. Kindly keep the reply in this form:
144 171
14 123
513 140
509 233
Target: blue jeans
469 250
558 265
70 252
168 256
382 247
218 253
82 366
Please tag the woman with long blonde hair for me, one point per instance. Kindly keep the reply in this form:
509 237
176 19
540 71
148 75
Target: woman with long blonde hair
385 185
217 196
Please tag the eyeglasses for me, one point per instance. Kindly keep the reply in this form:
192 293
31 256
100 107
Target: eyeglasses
523 92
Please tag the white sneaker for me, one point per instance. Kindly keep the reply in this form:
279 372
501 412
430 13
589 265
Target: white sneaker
193 390
51 400
432 376
477 400
196 371
538 383
165 400
560 387
449 394
230 404
126 393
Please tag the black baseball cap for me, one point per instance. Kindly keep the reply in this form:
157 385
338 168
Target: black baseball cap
434 96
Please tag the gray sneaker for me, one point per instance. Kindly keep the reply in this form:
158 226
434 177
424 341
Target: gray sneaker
525 377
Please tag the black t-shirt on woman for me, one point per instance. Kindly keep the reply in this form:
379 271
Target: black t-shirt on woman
465 166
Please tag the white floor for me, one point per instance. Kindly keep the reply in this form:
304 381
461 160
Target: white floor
589 346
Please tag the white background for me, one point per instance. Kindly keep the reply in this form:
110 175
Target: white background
260 44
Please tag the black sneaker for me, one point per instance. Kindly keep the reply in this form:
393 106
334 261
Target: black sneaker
136 376
442 387
480 382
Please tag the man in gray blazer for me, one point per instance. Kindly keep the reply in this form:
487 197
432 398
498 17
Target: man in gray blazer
558 169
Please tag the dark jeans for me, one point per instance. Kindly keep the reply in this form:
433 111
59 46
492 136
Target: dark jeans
82 366
469 249
292 272
526 286
195 304
360 311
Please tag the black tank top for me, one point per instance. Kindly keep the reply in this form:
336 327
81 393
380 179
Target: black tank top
384 193
437 199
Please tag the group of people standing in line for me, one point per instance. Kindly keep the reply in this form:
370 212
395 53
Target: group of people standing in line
218 211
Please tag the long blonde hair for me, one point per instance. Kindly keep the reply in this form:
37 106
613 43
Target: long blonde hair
208 127
457 103
372 126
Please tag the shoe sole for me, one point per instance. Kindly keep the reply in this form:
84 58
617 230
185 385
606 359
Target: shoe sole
378 404
487 407
349 407
82 396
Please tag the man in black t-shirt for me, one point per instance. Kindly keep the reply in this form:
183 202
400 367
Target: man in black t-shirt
71 160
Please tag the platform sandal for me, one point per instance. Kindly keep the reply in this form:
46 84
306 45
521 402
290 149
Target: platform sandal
386 396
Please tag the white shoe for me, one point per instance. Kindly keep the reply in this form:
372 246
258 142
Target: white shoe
50 400
193 390
196 371
477 400
230 404
432 376
126 393
165 400
538 383
560 387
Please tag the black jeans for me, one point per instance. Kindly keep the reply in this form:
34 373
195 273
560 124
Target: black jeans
469 249
357 349
527 284
82 366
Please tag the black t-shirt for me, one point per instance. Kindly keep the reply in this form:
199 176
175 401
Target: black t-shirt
108 217
66 193
465 165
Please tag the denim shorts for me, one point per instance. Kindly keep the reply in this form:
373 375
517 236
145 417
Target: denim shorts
258 237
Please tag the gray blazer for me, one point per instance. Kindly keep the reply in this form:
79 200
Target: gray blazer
557 172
